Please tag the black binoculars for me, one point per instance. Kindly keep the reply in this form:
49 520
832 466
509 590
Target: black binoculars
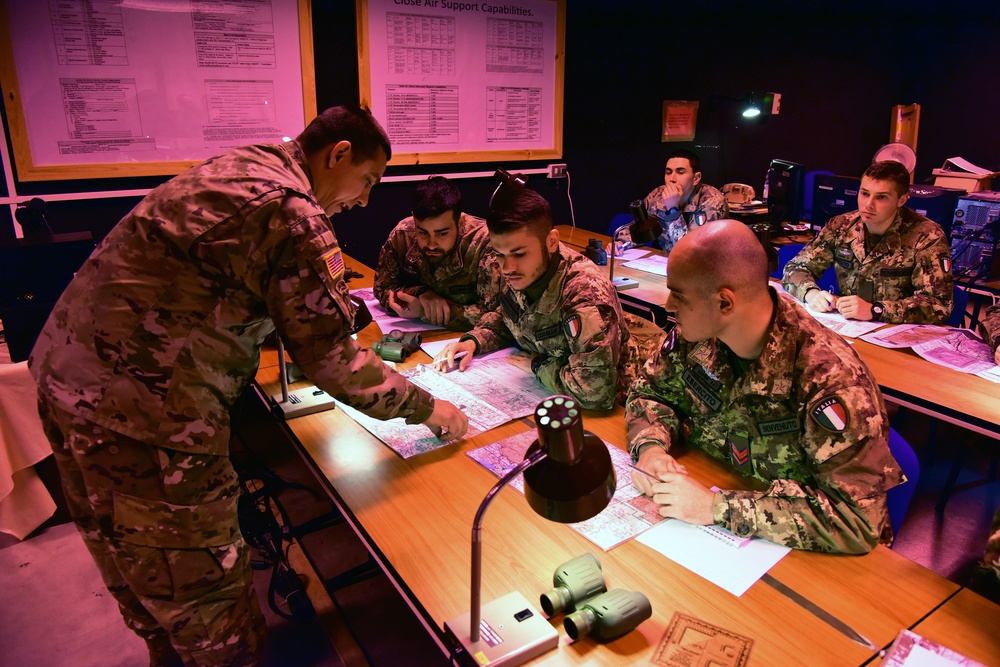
396 345
595 252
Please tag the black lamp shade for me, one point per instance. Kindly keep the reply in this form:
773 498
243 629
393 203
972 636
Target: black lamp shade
644 228
576 479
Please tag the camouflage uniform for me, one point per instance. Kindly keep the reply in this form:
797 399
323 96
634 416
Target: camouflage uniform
908 270
466 277
991 326
576 331
147 350
805 417
704 198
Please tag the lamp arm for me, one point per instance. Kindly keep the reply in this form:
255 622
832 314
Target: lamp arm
477 544
614 242
282 371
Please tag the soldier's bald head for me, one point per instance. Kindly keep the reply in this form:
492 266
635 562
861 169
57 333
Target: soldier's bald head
724 253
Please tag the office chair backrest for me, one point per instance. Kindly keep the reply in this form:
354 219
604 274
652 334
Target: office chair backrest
957 317
899 497
827 281
618 221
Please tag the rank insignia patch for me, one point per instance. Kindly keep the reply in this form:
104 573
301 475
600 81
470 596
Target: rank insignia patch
572 326
334 263
831 414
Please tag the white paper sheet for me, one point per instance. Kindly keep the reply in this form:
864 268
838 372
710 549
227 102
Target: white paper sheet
655 264
845 327
701 551
387 322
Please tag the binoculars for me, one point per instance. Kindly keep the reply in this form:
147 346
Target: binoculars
595 252
579 588
396 345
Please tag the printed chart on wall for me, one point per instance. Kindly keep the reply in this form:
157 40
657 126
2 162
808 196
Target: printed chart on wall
97 89
460 81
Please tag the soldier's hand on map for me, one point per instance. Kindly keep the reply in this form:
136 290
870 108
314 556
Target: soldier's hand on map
522 360
437 309
653 461
405 305
820 300
854 307
447 421
681 496
445 360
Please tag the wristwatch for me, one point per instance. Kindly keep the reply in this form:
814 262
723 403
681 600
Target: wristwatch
536 362
877 311
673 212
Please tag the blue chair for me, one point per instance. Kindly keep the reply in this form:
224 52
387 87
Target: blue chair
898 498
618 221
957 317
827 281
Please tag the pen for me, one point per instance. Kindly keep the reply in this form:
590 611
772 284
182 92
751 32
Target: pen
647 474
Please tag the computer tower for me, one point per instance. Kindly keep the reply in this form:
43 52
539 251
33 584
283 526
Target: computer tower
974 233
832 196
783 185
936 203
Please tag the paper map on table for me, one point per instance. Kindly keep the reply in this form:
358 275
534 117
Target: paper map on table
911 650
628 514
655 264
387 322
906 335
845 327
958 351
411 439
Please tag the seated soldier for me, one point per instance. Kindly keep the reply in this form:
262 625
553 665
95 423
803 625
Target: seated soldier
751 379
893 264
991 329
557 305
679 198
437 263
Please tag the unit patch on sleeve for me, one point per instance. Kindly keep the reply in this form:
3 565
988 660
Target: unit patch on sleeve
831 414
334 263
572 326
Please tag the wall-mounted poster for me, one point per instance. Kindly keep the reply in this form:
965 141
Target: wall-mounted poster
680 117
110 88
458 81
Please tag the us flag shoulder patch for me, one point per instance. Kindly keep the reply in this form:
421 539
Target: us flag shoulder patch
831 414
572 326
334 263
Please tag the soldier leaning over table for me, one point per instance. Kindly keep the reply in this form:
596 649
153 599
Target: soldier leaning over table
558 307
752 380
157 336
893 264
437 264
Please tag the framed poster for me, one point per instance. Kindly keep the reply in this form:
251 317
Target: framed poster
115 88
455 81
680 117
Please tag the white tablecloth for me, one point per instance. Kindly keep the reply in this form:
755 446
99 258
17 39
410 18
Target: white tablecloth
25 503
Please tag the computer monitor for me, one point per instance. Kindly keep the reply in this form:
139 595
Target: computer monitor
32 278
784 191
832 196
936 203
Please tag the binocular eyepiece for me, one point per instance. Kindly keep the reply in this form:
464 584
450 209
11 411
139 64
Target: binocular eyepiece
580 589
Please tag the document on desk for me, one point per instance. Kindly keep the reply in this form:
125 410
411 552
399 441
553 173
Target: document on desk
387 321
711 552
845 327
628 514
655 264
906 335
960 351
632 254
911 650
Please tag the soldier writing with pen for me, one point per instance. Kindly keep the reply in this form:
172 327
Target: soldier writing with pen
752 380
437 264
892 264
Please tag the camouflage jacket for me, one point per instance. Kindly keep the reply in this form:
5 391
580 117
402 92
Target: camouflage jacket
991 326
704 198
160 331
908 271
467 277
806 417
576 328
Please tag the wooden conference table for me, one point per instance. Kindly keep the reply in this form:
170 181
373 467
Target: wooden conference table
416 517
904 377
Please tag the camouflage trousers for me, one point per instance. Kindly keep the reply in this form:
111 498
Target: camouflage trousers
163 528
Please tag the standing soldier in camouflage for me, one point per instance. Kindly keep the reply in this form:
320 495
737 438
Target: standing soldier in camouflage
892 264
556 304
751 379
157 336
680 197
437 263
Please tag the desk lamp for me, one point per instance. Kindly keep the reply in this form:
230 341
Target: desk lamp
509 184
301 402
643 228
568 477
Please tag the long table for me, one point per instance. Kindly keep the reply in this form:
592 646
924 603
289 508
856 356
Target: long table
416 516
904 377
